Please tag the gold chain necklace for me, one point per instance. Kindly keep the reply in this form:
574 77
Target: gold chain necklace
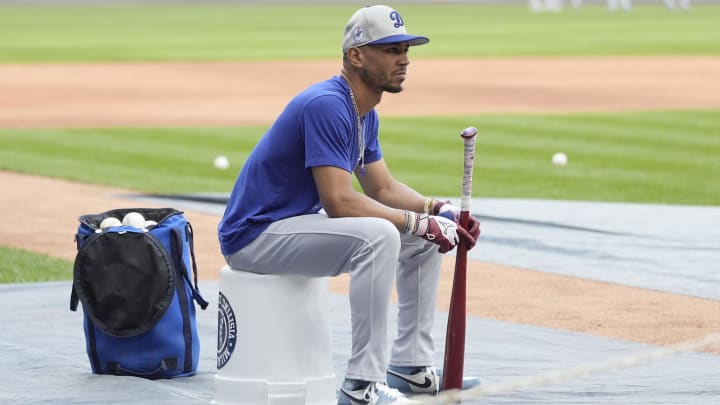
361 138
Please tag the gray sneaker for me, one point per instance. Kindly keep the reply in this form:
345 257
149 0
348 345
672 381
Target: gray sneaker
358 392
421 380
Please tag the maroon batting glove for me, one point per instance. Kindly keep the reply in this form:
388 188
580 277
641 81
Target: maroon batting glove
438 230
473 230
447 210
466 238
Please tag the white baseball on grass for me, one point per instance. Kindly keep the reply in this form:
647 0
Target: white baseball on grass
134 219
221 162
559 159
109 222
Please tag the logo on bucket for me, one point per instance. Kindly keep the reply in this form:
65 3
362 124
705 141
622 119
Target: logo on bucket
227 331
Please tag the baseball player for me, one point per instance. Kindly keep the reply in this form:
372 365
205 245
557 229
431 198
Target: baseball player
293 210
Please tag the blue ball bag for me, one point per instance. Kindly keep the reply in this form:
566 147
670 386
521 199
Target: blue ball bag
138 289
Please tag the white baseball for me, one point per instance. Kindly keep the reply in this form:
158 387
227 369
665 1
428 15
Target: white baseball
559 159
149 224
134 219
109 222
221 162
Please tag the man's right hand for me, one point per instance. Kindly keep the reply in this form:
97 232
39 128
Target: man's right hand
439 230
447 210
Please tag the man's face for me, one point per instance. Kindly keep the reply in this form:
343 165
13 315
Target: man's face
385 66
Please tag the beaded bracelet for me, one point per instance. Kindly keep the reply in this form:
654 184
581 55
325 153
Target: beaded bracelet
429 205
410 222
406 227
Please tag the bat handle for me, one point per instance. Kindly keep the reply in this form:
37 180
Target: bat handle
469 136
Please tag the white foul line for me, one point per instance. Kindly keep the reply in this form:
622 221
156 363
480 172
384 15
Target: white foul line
645 357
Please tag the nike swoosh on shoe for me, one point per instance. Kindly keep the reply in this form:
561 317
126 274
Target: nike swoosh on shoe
425 384
354 399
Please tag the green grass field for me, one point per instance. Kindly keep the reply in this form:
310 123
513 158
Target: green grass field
252 32
655 157
20 266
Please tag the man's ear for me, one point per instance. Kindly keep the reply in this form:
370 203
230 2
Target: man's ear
355 57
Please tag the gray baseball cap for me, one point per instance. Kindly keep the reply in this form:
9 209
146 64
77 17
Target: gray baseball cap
377 25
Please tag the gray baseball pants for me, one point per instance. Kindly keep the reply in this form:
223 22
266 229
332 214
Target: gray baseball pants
375 255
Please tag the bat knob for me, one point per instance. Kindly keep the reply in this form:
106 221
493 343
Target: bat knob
469 132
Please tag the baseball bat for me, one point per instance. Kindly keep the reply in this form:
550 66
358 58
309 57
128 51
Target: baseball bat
455 336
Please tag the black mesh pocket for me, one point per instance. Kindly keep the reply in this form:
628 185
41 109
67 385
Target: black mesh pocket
125 281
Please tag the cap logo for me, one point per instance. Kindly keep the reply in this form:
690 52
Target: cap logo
358 34
395 16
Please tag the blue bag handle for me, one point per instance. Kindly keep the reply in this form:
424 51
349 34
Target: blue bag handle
178 247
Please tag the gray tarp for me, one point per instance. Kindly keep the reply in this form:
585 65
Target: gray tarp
42 348
669 248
